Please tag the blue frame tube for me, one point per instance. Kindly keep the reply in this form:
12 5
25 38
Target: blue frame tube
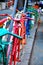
25 5
13 15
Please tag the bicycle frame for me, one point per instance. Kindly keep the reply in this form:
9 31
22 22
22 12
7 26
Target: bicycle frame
16 42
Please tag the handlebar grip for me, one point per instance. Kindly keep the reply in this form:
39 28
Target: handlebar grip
3 14
2 21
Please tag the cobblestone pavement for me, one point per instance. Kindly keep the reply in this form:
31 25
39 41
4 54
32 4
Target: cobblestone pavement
37 54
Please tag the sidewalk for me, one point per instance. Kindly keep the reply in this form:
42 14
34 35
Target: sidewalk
8 11
37 54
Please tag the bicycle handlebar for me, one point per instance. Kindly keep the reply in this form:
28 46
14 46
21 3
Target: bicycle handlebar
11 18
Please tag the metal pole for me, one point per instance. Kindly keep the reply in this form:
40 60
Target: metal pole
25 5
13 15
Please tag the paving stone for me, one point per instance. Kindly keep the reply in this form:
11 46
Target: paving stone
23 63
37 55
8 11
